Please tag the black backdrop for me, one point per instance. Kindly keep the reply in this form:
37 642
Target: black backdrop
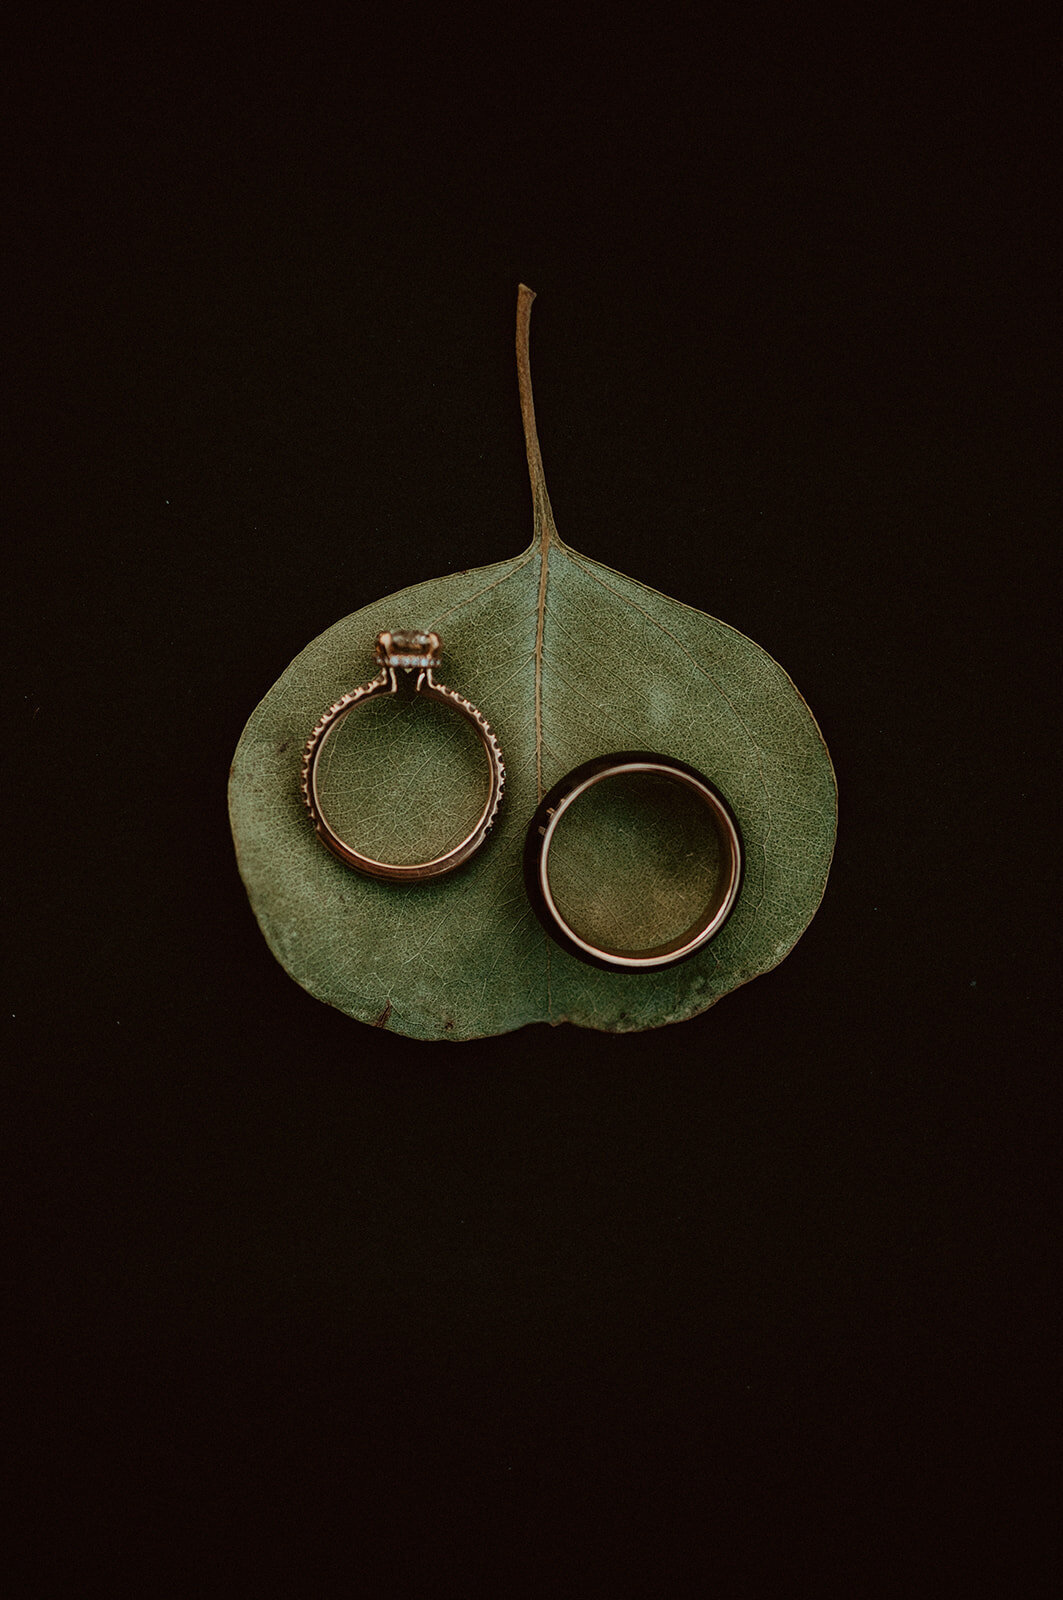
752 1305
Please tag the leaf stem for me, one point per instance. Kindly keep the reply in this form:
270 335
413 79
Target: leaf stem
544 529
544 516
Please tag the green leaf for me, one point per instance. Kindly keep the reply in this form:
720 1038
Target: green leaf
568 660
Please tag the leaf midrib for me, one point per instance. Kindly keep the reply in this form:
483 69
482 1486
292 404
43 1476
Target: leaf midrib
544 532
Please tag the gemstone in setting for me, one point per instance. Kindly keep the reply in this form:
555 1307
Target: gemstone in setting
407 649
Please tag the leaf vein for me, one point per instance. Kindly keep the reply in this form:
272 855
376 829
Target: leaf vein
589 570
521 561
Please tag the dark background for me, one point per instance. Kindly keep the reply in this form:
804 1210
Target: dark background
754 1305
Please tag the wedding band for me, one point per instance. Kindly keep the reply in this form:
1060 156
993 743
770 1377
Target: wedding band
406 653
722 893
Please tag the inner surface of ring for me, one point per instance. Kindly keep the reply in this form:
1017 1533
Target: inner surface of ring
402 779
635 863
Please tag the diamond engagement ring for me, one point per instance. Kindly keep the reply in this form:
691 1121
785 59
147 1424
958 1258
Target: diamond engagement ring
405 653
719 872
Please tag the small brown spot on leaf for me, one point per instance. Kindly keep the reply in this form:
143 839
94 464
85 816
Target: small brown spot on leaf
382 1020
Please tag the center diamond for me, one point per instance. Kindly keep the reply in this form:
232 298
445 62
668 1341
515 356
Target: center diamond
406 649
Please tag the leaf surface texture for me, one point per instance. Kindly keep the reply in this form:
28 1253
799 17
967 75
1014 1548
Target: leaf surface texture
568 660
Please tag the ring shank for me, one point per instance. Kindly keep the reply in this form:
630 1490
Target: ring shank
542 832
386 683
